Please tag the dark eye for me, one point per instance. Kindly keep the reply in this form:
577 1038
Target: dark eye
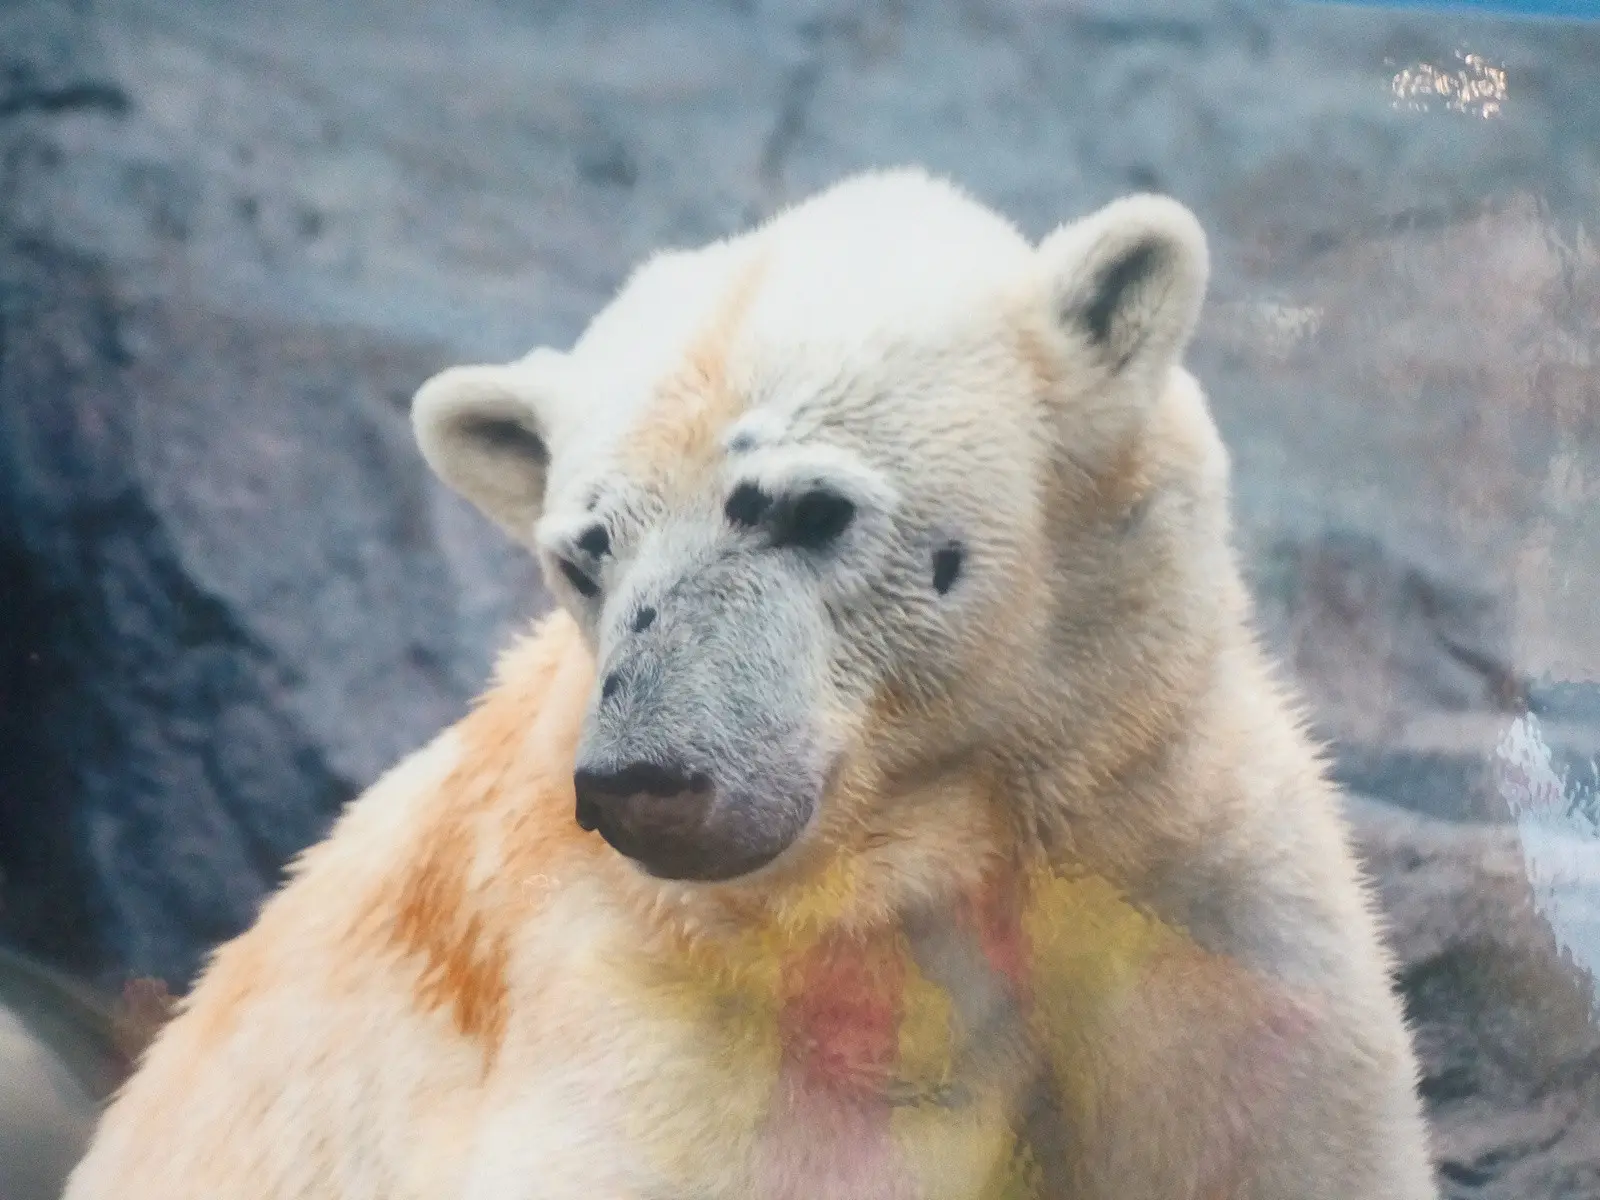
585 586
946 566
814 520
595 541
747 505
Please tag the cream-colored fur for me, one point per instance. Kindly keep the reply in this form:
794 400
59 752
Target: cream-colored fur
1052 897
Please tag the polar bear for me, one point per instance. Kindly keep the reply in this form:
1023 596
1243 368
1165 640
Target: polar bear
898 804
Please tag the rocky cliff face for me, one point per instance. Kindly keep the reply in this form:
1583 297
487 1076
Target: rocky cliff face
234 238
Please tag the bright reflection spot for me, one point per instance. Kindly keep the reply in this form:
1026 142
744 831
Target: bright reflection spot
1558 819
1476 87
1268 329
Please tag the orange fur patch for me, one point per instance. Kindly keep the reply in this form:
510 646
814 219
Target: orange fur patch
455 914
464 958
696 402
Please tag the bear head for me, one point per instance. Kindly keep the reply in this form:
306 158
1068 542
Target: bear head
877 495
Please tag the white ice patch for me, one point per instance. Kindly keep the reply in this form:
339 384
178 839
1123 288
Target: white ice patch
1558 819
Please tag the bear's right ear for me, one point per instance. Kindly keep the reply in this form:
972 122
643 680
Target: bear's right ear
484 431
1126 284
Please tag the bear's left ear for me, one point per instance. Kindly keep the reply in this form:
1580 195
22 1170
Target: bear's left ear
485 432
1125 284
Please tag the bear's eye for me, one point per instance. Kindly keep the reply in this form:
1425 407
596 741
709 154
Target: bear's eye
946 566
585 586
595 541
812 520
747 505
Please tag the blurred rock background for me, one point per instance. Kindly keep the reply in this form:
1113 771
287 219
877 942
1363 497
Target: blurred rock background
234 238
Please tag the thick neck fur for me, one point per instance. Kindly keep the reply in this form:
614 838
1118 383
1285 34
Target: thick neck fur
1091 799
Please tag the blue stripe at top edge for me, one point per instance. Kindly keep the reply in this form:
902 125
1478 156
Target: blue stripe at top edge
1576 10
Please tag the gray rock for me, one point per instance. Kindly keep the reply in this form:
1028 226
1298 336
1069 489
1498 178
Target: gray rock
1506 1021
1413 675
49 61
232 596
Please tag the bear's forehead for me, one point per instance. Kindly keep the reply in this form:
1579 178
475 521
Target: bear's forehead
775 333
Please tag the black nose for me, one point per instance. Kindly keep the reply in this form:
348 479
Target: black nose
605 788
615 788
654 814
